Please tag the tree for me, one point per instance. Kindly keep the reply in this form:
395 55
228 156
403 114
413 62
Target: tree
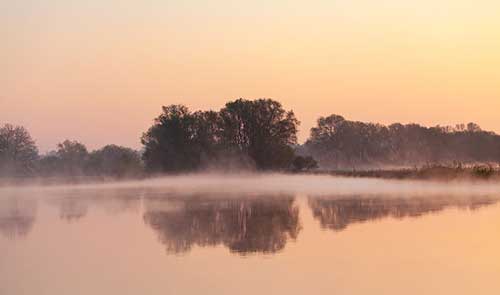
301 163
260 129
49 165
343 144
178 138
18 152
72 156
116 161
473 127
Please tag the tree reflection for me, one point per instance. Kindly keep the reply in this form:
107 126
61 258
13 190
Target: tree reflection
74 205
72 209
243 225
338 214
17 216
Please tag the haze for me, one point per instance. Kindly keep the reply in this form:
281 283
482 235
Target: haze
213 185
98 71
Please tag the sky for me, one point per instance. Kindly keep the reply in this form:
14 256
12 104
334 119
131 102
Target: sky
98 71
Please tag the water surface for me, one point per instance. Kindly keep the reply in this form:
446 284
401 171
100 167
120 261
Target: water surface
198 238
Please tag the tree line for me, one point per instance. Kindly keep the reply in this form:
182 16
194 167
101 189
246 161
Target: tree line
250 134
338 143
19 157
258 134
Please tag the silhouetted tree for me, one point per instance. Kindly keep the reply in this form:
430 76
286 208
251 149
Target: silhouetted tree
341 144
73 156
49 165
259 130
179 139
301 163
116 161
18 152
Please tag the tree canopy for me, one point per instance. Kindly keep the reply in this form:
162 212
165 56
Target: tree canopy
260 131
18 151
252 134
114 160
340 143
73 159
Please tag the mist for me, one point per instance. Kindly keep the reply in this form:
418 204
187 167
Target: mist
261 184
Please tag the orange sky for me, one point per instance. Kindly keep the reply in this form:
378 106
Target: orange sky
99 71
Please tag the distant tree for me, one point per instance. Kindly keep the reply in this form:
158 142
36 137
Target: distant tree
206 137
72 156
261 129
473 127
341 144
460 127
177 139
327 128
49 164
301 163
116 161
18 152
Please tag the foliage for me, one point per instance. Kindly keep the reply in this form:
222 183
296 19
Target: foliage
18 152
483 171
72 156
179 139
301 163
116 161
72 159
341 144
259 130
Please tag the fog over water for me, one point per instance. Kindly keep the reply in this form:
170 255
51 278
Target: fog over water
312 185
251 234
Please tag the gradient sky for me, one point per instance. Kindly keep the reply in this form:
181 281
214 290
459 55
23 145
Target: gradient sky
99 71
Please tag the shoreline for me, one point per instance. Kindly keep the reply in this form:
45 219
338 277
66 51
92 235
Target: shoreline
427 173
476 174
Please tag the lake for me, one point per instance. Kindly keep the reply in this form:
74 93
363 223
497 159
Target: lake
245 234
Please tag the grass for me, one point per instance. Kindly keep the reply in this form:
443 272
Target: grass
428 172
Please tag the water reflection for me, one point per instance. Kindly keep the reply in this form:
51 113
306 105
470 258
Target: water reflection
17 216
72 209
337 214
74 205
244 226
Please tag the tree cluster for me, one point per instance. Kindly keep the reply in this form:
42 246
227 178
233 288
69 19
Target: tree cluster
18 152
73 159
19 157
252 134
342 144
258 133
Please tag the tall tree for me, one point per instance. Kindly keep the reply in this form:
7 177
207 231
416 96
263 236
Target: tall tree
116 161
261 129
18 152
339 143
73 157
179 139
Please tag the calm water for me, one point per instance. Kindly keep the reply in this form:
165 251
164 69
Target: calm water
141 239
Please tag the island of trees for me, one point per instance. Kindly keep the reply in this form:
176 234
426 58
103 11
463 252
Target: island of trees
253 135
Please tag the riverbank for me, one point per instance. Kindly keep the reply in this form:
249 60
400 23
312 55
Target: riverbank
431 172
